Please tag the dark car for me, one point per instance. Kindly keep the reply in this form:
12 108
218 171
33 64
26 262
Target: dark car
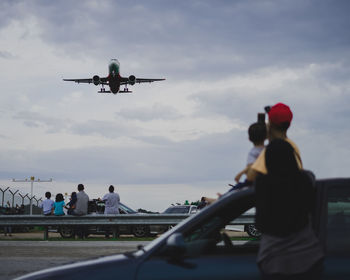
199 248
96 207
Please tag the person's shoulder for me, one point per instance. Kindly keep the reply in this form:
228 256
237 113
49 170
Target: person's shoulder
308 177
292 143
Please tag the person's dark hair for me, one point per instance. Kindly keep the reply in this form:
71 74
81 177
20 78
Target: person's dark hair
280 159
111 188
59 197
257 132
281 127
48 195
285 195
73 196
80 187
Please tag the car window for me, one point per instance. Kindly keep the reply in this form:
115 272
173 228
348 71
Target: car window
177 210
338 224
126 209
212 237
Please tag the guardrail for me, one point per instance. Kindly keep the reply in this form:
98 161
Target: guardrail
104 220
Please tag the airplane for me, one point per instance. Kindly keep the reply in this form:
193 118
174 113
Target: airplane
114 80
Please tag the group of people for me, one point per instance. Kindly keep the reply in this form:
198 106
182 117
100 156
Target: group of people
284 192
78 204
285 195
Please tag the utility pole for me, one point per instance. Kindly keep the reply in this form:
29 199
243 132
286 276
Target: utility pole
31 180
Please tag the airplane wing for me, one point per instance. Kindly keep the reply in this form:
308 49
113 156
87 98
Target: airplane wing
103 81
139 80
125 81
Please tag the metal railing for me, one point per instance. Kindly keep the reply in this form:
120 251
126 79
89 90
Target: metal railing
104 220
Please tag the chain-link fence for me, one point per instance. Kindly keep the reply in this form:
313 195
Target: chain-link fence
14 202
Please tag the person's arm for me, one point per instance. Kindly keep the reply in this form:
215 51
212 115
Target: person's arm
244 171
210 200
105 197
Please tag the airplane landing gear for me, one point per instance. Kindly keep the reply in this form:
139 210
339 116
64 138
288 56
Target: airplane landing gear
125 90
103 90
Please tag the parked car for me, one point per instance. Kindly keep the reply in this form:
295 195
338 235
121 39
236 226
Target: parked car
199 248
96 207
175 209
181 209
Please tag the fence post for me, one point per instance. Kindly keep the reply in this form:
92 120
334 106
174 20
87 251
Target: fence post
37 200
115 232
28 198
13 196
3 195
46 233
31 204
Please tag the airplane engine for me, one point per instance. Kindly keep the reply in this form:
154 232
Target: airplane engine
96 80
132 79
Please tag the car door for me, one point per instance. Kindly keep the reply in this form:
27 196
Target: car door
201 267
335 227
208 251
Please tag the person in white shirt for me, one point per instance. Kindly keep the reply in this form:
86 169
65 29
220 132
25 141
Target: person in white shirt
111 200
47 204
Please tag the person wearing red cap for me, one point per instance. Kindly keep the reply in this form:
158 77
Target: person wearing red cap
280 118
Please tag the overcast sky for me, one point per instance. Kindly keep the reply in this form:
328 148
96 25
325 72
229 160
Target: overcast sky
181 138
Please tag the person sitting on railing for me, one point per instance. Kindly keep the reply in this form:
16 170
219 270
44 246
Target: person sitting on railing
58 205
257 135
72 203
81 207
47 204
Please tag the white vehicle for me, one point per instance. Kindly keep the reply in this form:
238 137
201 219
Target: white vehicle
181 209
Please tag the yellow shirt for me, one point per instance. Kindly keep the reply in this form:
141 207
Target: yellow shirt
260 166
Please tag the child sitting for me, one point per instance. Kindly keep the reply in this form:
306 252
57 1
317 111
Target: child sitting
257 135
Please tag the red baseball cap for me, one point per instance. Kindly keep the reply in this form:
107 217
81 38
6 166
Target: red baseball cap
280 113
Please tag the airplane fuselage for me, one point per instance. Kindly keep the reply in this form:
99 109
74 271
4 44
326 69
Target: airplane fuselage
114 75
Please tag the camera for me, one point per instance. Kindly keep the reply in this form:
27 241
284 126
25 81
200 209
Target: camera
261 117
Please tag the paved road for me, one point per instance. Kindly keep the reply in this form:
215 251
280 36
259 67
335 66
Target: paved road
20 257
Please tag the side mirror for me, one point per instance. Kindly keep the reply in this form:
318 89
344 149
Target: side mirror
175 245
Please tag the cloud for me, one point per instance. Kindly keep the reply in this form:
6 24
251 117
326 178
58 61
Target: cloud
157 111
163 162
35 119
223 62
6 55
108 129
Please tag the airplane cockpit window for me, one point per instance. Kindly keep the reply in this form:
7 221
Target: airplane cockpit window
114 60
114 66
